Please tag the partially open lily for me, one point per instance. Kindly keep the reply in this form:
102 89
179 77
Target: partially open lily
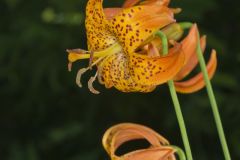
117 135
123 45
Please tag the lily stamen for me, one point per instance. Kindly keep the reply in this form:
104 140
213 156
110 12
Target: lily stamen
90 84
79 75
83 70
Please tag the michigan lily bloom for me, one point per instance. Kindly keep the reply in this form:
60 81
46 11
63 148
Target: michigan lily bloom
122 43
117 135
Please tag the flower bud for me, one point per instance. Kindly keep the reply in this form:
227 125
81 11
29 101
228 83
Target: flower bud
173 31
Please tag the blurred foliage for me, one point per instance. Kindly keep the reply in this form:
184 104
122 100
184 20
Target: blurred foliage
44 115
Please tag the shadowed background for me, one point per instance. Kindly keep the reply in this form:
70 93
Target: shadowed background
45 116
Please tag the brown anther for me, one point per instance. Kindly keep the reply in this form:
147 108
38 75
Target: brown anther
77 51
70 66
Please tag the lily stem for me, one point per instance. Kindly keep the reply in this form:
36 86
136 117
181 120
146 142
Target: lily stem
180 153
176 102
213 102
180 119
186 25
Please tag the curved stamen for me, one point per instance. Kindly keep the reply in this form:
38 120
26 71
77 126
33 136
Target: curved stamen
79 75
90 84
83 70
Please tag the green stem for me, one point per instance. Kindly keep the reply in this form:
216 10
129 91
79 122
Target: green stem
213 102
164 42
176 101
179 152
186 25
180 119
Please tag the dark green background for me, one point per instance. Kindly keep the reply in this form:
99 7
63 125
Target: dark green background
45 116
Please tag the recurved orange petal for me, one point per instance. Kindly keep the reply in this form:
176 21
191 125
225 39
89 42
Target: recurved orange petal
192 61
189 44
119 134
156 2
130 3
157 70
196 83
156 153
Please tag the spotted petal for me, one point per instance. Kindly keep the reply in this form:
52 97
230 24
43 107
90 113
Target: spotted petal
157 70
115 71
98 35
133 26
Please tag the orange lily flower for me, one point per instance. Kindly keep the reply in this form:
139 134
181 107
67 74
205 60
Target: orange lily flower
122 44
119 134
113 48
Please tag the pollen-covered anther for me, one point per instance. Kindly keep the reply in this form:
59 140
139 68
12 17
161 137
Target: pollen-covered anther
77 51
76 54
90 84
